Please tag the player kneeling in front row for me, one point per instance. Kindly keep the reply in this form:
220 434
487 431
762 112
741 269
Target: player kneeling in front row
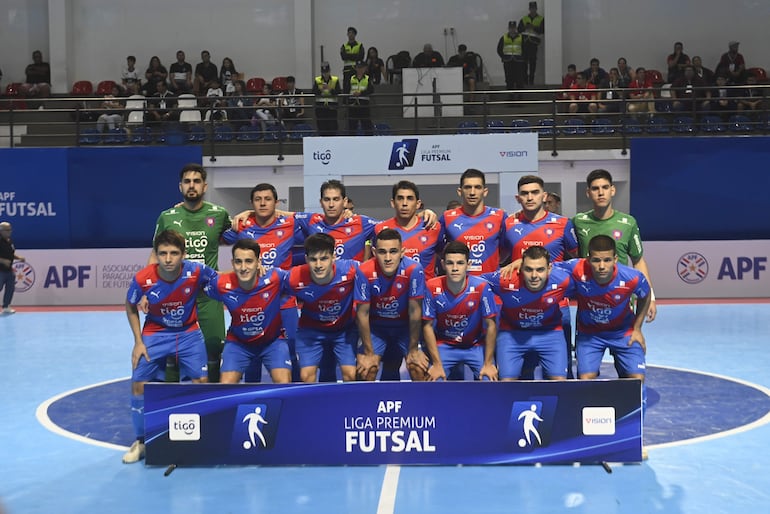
170 327
459 314
254 303
531 316
388 299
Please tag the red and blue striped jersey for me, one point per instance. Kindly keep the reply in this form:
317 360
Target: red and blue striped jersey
350 234
388 297
482 234
459 320
255 314
172 304
275 240
419 243
556 233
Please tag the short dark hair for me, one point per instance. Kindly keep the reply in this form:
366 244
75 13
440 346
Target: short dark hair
191 166
456 247
536 252
555 196
247 244
453 204
291 78
598 174
602 243
131 58
405 184
462 48
530 179
594 60
169 237
264 186
473 173
389 234
571 67
353 30
334 184
319 243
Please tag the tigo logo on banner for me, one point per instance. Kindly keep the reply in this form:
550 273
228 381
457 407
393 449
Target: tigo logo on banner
402 155
184 427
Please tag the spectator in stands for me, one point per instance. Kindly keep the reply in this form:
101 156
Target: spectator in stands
532 27
240 107
215 102
570 78
228 76
583 100
206 73
181 75
38 77
704 74
467 61
612 98
510 51
360 90
292 105
641 89
161 104
155 72
428 58
595 74
732 65
266 109
129 77
326 88
351 52
723 99
112 114
676 62
553 202
625 73
690 92
750 98
375 67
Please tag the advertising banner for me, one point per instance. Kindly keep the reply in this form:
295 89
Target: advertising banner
394 423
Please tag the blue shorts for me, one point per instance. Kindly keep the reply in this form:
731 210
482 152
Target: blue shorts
393 340
589 349
310 345
188 347
451 356
238 356
546 346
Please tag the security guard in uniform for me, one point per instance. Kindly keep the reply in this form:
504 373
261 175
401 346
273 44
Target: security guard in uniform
510 52
351 52
359 88
326 87
532 27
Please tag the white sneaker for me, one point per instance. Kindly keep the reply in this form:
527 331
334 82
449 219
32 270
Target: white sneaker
8 310
134 454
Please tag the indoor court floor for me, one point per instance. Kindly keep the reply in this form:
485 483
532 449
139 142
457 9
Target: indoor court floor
66 423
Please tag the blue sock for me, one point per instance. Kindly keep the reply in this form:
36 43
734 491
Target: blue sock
137 415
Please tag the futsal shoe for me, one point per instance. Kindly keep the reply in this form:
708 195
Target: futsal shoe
8 311
135 453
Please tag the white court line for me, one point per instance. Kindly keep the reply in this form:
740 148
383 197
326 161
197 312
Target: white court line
41 413
387 504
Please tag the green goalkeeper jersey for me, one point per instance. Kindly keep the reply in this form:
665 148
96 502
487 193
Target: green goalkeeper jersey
201 230
620 226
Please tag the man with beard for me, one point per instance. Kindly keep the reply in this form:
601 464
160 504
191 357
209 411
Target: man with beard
202 225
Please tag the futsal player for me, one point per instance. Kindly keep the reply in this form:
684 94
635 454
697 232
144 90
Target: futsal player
171 327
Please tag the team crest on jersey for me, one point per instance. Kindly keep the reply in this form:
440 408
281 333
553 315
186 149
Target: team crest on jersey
424 239
617 297
348 230
549 232
279 233
265 295
471 304
617 234
399 285
549 300
342 289
186 290
210 222
489 226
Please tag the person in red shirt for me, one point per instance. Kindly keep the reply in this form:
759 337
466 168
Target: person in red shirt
583 99
641 89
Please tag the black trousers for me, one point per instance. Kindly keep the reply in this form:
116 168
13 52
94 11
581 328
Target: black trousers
326 119
529 52
360 114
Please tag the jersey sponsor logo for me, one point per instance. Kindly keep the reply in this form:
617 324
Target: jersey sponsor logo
598 420
692 268
402 154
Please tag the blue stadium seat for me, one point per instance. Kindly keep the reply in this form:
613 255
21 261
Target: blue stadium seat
223 133
249 133
574 127
495 126
520 125
712 124
740 123
468 127
546 127
196 134
90 136
684 125
301 130
274 132
632 126
658 125
116 136
172 135
602 127
141 136
382 129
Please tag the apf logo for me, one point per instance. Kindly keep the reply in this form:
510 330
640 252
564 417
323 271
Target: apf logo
25 276
184 427
325 156
692 268
402 154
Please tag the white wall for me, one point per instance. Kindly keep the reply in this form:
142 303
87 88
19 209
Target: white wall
279 37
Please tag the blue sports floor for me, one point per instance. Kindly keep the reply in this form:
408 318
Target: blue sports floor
65 422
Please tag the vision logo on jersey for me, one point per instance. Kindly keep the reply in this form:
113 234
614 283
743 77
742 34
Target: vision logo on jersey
530 423
402 155
692 268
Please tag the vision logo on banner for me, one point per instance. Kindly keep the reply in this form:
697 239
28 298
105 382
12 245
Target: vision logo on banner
402 155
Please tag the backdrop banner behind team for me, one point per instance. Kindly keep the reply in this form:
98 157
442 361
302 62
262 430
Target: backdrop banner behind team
394 423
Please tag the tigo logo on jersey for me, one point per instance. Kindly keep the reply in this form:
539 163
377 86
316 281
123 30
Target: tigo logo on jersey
402 155
184 427
598 420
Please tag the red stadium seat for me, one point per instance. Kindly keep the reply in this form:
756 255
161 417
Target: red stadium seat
279 84
82 88
255 85
656 76
105 87
13 89
15 100
759 73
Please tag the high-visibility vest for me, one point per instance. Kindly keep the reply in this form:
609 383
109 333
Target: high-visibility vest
350 50
359 85
536 22
511 46
326 97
